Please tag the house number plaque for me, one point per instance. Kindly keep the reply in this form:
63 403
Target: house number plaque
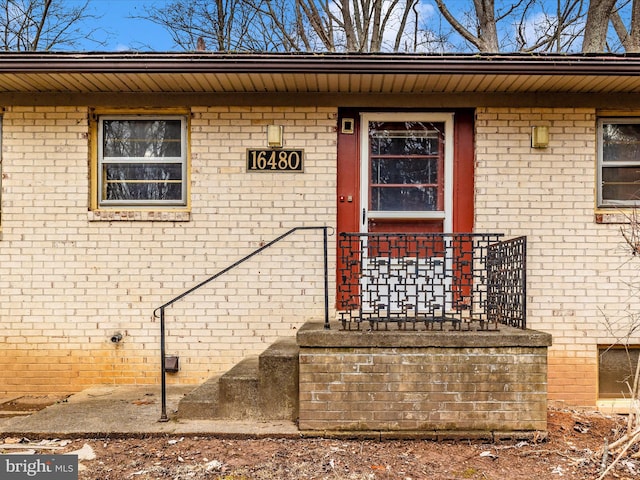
274 160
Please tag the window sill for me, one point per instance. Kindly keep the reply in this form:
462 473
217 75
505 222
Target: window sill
614 406
618 217
139 216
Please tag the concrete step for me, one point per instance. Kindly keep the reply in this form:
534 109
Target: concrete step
257 388
278 380
238 391
202 402
231 396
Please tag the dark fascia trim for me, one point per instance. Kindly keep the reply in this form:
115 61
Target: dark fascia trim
472 64
618 101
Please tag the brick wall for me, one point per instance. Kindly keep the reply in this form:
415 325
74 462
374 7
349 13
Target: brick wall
422 381
70 279
577 269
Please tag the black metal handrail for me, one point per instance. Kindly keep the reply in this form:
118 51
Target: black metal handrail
159 312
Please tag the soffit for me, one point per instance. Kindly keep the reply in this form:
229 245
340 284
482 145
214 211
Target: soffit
340 74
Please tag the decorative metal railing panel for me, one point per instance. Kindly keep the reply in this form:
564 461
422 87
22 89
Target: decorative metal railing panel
507 280
431 279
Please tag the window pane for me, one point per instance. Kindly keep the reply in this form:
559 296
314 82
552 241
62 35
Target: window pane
409 158
404 198
126 181
405 138
404 170
620 184
617 366
143 171
143 191
142 138
621 142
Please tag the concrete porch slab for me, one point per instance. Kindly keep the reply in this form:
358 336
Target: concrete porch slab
313 334
130 411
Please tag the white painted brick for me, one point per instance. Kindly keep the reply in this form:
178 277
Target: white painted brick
91 279
548 196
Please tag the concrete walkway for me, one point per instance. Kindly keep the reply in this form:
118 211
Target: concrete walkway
130 411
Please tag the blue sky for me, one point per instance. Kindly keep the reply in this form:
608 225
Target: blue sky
123 33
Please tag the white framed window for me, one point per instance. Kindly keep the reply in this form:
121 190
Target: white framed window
619 162
141 161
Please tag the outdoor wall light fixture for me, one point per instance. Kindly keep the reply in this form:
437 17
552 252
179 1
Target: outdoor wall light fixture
274 136
540 136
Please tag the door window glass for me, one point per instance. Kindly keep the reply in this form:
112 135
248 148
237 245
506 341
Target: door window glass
406 166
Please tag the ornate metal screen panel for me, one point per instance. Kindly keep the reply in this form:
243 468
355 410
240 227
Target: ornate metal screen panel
411 279
507 278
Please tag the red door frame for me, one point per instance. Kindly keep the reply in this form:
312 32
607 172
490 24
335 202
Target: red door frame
348 171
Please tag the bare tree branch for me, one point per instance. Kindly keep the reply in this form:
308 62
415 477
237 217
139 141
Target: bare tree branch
394 25
30 25
629 38
410 8
282 25
458 27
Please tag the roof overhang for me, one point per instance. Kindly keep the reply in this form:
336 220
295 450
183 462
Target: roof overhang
321 75
311 73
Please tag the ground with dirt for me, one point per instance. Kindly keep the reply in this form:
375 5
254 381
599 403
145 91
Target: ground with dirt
570 452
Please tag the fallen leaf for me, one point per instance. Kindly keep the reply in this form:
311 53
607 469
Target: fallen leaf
214 465
488 454
86 453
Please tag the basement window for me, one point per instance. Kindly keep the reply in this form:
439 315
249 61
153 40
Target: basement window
141 161
616 371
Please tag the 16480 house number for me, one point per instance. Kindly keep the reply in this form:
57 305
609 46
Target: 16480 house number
274 160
